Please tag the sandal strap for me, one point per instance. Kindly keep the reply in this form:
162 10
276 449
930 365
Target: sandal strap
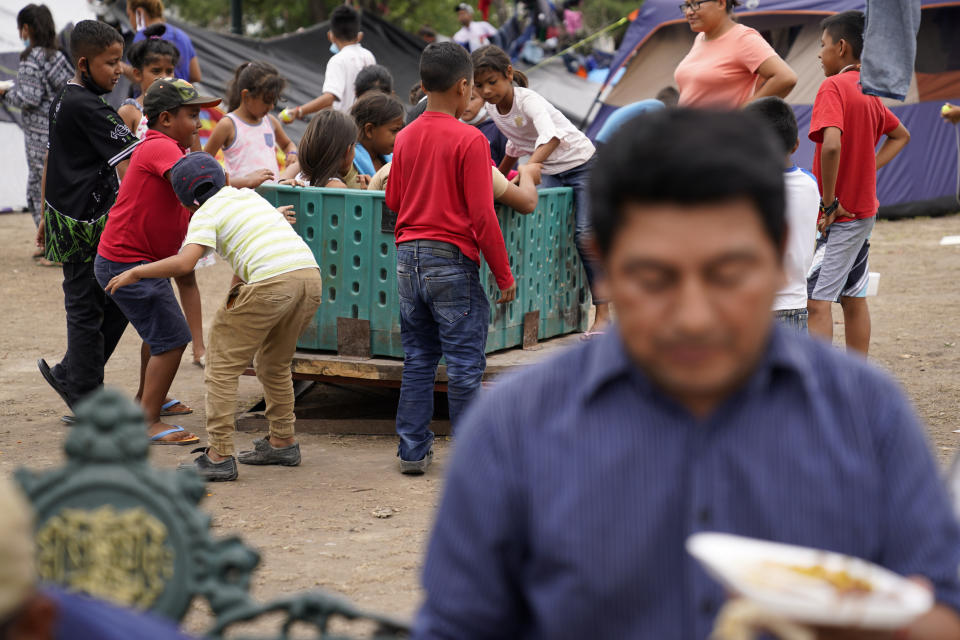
174 429
167 405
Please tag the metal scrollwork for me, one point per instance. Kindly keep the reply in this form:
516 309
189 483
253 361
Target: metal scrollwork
110 525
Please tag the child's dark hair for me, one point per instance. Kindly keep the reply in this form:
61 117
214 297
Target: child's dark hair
847 26
669 96
377 108
261 79
43 33
345 23
692 157
324 144
373 78
90 38
779 116
443 64
494 58
416 92
153 47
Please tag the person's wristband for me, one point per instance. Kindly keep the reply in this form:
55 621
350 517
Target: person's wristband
292 153
829 210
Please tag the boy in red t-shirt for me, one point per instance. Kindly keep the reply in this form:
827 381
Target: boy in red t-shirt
441 188
846 125
148 223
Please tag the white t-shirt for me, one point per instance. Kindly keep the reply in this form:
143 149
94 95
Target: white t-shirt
533 121
803 208
250 234
342 70
475 35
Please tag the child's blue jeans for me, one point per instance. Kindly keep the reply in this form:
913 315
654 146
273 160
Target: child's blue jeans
443 312
579 179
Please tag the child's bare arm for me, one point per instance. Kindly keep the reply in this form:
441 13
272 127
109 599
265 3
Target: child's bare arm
829 168
286 145
222 136
130 116
122 168
894 144
523 197
508 163
172 267
541 153
192 305
325 101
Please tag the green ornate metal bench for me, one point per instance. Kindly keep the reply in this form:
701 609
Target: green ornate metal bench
110 525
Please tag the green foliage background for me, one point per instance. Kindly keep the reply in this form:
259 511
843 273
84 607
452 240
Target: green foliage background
273 17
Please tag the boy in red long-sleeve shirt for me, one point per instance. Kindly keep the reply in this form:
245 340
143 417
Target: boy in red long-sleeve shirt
441 188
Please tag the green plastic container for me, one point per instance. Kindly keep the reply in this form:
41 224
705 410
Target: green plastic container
353 241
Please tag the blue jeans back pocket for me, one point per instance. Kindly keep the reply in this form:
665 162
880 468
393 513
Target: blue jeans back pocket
449 295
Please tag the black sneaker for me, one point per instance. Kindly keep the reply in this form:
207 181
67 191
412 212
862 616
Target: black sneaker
265 453
209 470
416 467
52 381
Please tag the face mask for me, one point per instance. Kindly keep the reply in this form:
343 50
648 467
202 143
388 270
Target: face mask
26 42
89 83
334 49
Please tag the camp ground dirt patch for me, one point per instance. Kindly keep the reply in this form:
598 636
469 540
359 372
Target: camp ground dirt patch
322 524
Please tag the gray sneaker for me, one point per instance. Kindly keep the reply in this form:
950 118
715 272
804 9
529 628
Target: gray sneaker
211 471
416 467
265 453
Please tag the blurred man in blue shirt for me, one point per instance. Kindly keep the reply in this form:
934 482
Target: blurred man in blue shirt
574 484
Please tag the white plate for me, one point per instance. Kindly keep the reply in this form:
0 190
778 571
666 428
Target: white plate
761 571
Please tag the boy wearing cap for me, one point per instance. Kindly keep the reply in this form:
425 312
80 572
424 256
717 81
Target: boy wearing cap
147 224
263 316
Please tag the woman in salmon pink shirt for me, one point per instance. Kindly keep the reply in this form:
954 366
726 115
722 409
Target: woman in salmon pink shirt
729 64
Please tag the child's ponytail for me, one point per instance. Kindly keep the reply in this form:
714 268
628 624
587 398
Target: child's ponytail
494 58
153 46
261 79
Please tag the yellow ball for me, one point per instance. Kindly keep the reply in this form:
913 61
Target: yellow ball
287 117
945 109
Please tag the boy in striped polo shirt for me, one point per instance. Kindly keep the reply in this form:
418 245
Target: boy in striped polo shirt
263 315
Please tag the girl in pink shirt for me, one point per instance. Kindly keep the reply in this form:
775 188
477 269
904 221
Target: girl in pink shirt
729 64
249 135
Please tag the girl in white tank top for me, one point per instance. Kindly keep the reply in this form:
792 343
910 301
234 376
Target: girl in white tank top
249 135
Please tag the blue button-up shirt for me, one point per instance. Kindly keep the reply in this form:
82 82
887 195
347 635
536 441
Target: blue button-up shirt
575 484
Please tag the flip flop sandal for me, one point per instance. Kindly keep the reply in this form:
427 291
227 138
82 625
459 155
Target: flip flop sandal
70 420
165 409
175 429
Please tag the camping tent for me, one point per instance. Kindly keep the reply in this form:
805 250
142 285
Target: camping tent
921 180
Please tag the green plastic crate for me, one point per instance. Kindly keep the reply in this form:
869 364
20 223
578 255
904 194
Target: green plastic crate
354 246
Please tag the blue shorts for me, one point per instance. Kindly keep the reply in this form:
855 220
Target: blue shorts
149 305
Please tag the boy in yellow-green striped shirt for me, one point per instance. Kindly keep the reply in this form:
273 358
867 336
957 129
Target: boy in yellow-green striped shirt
264 315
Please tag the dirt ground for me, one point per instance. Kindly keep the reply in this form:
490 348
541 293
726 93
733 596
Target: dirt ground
315 525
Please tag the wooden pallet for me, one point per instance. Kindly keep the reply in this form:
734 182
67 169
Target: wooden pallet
386 372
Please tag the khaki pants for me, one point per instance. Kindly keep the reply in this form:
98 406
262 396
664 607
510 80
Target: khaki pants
263 319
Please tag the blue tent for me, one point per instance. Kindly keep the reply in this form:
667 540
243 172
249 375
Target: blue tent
922 179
